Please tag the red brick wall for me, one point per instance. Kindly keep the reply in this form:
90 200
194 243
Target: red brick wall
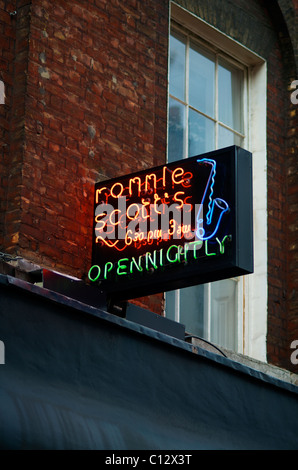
292 198
292 220
292 191
282 195
7 50
93 106
277 229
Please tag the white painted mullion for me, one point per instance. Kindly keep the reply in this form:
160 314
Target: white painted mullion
246 110
185 153
207 290
241 286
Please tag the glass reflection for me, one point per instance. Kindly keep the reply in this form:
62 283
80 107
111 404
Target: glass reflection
223 307
230 82
176 130
227 138
200 134
177 66
201 80
192 309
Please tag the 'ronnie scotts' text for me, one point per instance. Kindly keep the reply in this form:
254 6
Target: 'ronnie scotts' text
157 206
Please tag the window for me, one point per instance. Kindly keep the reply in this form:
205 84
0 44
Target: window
206 99
209 109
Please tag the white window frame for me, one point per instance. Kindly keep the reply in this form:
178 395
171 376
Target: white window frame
252 290
218 55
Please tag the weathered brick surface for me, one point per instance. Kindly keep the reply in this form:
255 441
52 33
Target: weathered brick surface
292 181
89 106
282 194
7 46
17 42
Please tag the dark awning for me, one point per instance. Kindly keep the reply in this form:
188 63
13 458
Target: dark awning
77 377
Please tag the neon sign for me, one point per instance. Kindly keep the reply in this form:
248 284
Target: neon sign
176 225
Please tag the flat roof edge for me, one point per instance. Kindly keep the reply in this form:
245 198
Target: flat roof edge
12 282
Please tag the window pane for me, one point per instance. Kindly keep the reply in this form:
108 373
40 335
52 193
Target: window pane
230 89
227 138
170 304
176 130
200 134
223 313
192 309
177 66
201 80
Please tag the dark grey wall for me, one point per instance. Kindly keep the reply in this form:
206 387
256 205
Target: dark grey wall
78 378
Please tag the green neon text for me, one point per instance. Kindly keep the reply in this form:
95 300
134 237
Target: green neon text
158 259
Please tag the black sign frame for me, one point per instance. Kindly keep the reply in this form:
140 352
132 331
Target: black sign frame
130 272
